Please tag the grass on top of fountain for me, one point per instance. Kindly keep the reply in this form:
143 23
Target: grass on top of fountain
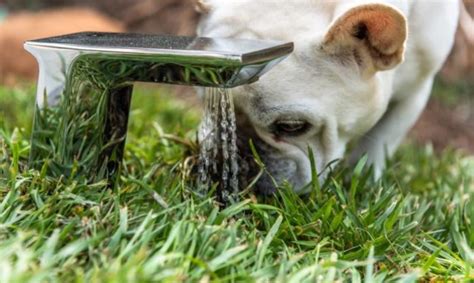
416 223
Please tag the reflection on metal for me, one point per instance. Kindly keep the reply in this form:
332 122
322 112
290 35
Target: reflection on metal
86 81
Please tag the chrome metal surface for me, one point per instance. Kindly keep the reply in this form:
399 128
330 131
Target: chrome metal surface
86 80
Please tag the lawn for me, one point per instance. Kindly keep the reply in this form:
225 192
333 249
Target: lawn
415 224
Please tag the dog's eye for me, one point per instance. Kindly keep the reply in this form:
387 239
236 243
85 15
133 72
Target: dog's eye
290 128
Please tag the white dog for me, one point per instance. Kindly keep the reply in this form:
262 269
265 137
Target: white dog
361 72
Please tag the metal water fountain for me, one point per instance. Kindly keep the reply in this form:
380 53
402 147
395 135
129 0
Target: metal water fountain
85 88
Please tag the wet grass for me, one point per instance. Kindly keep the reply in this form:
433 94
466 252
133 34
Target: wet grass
414 224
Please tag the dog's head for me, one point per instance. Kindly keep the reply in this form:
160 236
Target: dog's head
328 92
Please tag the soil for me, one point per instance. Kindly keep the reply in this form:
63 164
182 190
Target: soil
446 126
149 16
15 63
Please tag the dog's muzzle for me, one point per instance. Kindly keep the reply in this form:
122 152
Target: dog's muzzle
276 167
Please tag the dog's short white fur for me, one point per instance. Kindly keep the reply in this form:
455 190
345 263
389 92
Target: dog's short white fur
361 73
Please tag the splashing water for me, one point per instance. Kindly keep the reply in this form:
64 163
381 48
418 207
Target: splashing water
218 141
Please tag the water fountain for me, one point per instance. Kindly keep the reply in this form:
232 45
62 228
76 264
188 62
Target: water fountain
86 81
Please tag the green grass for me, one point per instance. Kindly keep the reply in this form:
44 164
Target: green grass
417 223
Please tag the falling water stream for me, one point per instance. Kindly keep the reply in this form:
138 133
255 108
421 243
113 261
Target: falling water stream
218 152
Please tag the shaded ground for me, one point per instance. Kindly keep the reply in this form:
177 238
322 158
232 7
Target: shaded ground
445 126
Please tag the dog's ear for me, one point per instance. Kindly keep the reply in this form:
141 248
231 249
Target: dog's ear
202 6
373 34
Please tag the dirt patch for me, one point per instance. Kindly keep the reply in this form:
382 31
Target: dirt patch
151 16
446 126
17 64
